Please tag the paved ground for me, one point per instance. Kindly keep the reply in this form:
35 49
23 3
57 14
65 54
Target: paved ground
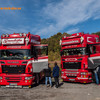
67 91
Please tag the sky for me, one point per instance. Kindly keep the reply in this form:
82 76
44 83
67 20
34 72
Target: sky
48 17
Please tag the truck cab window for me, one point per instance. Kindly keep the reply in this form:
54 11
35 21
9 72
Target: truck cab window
94 49
91 50
42 50
88 50
33 52
74 51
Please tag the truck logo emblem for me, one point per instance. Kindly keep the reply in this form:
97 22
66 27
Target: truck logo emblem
70 59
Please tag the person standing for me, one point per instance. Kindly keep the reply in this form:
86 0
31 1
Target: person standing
48 76
56 74
96 73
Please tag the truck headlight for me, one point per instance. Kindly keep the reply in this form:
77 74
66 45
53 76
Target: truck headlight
28 78
0 78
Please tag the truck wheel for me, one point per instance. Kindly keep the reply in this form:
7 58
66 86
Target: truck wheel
37 79
93 78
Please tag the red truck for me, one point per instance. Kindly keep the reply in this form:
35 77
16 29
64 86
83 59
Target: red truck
79 54
22 59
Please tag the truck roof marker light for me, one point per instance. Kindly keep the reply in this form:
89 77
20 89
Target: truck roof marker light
24 34
77 34
81 39
97 40
27 40
3 35
20 34
60 42
7 35
65 36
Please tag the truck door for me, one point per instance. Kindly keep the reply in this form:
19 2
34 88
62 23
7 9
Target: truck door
41 60
94 58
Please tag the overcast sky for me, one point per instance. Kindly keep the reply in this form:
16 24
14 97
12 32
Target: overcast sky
47 17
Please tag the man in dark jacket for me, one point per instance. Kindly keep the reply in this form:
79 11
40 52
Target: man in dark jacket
56 74
48 76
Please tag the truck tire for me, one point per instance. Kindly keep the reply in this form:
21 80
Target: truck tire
37 79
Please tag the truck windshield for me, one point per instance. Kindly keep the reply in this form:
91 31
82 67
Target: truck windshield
15 54
74 51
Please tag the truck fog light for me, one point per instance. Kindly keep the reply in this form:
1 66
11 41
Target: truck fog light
26 81
62 72
0 78
29 81
84 76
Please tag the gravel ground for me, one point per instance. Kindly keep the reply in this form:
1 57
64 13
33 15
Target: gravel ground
67 91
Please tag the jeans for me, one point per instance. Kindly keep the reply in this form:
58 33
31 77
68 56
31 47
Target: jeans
46 80
96 77
56 81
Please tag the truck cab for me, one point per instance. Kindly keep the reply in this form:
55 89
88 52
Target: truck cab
22 59
76 50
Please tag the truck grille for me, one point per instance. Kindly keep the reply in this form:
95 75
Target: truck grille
71 76
13 69
72 65
13 79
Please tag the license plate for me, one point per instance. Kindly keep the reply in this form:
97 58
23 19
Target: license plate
13 66
72 79
13 84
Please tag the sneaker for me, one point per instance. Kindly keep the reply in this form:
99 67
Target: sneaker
51 86
48 85
55 88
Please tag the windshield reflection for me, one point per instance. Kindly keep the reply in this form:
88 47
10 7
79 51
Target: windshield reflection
15 54
74 51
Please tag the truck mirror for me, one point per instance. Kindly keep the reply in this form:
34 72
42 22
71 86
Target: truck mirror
35 55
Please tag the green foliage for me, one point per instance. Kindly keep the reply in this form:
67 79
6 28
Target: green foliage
97 33
53 46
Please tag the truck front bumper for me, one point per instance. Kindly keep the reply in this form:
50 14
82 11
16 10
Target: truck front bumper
11 80
77 79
